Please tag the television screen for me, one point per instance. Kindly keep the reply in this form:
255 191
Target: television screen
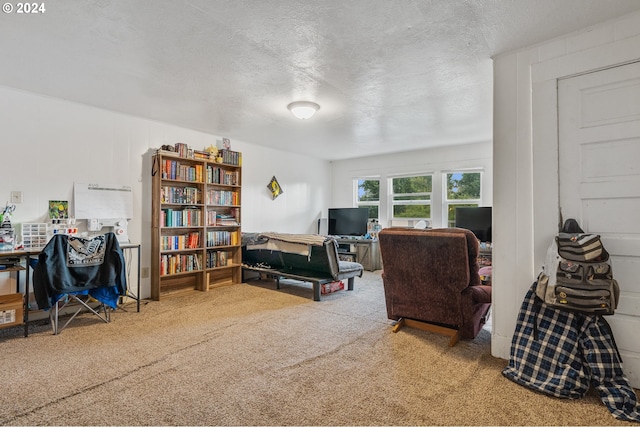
348 221
476 219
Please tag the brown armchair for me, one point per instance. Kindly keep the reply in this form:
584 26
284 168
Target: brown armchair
431 281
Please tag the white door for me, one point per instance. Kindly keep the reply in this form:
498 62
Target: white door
599 159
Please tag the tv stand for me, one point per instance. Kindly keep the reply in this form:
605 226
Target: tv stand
361 250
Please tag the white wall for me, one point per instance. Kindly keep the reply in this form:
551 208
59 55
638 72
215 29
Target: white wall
48 144
431 160
305 185
525 154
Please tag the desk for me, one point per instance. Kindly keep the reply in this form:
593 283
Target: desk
366 251
136 246
25 256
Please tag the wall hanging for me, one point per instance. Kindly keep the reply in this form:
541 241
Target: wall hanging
275 188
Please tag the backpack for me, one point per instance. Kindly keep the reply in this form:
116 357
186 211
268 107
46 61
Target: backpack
577 273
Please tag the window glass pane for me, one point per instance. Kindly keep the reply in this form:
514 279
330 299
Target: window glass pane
411 197
373 212
462 186
412 184
368 190
412 211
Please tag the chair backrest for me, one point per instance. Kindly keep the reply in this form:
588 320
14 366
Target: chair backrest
75 264
321 262
425 272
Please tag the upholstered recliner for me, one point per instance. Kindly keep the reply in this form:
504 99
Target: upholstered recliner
431 281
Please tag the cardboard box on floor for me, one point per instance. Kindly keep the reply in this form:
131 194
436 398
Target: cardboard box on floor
11 310
327 288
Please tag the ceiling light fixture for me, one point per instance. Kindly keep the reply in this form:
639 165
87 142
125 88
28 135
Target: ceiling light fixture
303 109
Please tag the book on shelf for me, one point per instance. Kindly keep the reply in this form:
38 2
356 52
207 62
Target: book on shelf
184 263
180 242
176 170
185 217
218 258
230 157
222 197
221 238
217 175
180 195
226 219
201 155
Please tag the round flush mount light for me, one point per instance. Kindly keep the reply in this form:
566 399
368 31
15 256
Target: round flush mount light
303 109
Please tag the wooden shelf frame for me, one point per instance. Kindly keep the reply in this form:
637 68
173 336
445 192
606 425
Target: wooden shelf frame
204 277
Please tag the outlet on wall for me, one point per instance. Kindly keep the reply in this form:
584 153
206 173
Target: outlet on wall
144 272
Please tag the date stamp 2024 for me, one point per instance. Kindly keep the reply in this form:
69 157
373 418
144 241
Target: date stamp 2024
23 8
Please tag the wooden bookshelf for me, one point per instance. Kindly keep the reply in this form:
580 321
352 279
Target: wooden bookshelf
195 217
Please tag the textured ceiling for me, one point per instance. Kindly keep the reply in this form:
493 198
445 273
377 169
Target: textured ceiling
390 75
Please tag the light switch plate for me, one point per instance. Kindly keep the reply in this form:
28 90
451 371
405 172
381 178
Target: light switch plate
16 197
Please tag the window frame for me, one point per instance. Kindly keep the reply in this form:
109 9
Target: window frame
366 203
421 202
446 202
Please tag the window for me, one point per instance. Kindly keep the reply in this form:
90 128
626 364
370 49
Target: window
368 195
410 199
462 189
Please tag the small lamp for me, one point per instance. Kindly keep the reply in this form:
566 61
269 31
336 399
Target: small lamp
303 109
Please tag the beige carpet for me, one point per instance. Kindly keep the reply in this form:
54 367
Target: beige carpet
251 355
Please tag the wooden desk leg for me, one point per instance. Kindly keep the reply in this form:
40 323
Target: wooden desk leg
26 296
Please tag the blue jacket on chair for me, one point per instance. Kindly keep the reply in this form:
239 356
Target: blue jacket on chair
74 264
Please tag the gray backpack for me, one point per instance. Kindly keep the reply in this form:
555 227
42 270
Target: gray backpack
577 274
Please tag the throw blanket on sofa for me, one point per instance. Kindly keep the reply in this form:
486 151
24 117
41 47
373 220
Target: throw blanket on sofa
562 353
291 243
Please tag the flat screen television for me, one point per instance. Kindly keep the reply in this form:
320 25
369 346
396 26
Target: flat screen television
348 221
476 219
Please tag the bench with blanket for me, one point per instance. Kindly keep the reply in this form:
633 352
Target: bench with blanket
305 257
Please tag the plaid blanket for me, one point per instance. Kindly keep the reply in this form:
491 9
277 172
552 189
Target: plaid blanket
562 354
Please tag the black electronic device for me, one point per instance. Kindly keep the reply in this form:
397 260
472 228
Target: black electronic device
477 219
348 221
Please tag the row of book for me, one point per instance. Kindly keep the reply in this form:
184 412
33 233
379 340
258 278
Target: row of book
221 238
180 217
173 169
218 175
218 259
179 263
230 157
183 149
184 263
188 195
222 198
179 242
